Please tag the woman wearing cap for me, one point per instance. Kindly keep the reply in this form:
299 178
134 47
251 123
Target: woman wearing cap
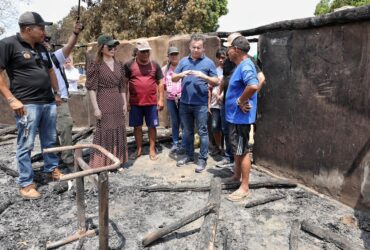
173 90
106 86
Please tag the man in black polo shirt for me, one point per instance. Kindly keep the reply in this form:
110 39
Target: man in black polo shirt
31 97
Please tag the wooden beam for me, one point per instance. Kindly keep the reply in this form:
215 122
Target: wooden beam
265 200
208 230
224 186
328 236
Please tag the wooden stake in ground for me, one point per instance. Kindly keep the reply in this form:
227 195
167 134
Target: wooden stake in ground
328 236
265 200
209 227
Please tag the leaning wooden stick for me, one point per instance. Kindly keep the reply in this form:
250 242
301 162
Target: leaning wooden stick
265 200
177 224
208 230
328 236
224 186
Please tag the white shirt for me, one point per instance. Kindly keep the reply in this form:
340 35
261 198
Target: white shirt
73 76
62 86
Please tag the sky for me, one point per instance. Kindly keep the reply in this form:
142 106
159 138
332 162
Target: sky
242 15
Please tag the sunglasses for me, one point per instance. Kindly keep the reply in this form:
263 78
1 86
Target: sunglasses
144 51
111 47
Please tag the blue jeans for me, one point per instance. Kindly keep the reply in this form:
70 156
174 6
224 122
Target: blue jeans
198 114
41 118
176 123
225 130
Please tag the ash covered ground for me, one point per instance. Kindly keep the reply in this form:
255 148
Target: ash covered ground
133 213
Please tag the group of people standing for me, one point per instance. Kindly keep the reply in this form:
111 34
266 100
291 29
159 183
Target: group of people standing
193 88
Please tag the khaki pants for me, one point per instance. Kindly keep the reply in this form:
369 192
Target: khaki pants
64 128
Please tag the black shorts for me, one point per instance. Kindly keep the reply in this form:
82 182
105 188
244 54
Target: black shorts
239 137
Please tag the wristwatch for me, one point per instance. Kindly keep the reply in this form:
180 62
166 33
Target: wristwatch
57 93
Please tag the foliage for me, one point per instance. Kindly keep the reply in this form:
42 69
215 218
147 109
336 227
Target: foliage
128 19
328 6
8 13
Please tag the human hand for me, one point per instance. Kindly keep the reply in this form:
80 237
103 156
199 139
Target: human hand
245 106
124 109
199 74
58 100
128 107
97 114
186 73
160 105
78 27
17 106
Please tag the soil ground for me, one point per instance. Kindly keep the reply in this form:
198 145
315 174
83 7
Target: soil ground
133 213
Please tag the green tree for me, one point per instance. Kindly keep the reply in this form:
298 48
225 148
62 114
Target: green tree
328 6
128 19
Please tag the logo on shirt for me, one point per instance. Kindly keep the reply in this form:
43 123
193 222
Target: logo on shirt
27 55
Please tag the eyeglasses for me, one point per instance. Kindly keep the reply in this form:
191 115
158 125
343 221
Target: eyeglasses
144 51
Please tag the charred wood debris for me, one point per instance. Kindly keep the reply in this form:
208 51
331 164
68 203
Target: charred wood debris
210 211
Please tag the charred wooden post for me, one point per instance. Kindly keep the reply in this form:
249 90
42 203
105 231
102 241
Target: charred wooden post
5 204
265 200
209 227
8 130
153 236
294 235
8 171
224 186
328 236
103 211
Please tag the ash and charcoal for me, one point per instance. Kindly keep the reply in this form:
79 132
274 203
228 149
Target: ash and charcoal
134 213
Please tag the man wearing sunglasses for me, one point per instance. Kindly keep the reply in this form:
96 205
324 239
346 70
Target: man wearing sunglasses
32 95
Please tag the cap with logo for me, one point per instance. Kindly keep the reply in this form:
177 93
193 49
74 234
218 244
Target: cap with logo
32 18
173 50
142 45
231 38
107 40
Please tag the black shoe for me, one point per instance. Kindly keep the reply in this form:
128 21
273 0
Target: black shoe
184 161
201 166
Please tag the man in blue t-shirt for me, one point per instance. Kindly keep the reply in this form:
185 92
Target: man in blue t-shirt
197 72
241 106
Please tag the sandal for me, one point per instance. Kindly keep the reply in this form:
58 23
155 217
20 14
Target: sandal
134 156
153 157
237 196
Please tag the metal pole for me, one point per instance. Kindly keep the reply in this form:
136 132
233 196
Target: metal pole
103 211
80 195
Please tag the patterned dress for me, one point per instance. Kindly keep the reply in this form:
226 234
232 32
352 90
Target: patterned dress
111 128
